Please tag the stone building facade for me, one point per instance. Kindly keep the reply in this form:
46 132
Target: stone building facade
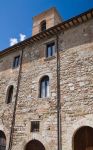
46 86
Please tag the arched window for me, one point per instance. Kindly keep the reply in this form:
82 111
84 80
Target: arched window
44 87
9 94
43 25
2 141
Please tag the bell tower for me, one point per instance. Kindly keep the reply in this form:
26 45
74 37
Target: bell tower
45 20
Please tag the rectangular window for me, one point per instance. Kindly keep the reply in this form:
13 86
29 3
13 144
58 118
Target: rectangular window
50 51
16 61
35 126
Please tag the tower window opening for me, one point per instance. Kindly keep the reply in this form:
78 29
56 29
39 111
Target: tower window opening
43 25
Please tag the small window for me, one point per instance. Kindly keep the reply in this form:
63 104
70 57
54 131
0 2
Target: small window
43 25
35 126
16 61
50 50
44 87
9 94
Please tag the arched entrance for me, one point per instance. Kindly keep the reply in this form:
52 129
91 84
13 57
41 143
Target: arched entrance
83 139
34 145
2 141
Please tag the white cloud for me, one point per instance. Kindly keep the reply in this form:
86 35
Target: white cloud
22 36
13 41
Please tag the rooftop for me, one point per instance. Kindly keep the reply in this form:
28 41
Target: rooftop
77 20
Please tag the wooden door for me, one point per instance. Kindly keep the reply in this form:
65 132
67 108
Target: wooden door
35 145
89 148
83 139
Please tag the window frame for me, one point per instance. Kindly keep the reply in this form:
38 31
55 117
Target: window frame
43 26
52 50
35 126
9 96
44 93
16 61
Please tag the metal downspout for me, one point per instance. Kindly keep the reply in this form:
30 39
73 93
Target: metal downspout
15 104
59 138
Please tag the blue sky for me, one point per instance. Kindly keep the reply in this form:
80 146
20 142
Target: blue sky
16 15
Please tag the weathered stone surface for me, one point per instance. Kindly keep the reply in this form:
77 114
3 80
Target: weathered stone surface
76 89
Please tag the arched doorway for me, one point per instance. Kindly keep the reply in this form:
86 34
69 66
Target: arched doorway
2 141
34 145
83 139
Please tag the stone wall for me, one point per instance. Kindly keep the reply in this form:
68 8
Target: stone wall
76 82
8 76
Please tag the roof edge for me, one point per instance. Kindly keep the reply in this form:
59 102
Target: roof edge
52 31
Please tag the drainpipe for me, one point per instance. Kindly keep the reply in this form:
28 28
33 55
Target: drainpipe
15 105
59 138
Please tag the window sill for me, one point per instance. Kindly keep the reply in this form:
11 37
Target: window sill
44 98
49 58
15 67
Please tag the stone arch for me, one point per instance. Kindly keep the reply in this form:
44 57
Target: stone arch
34 144
71 130
37 137
88 121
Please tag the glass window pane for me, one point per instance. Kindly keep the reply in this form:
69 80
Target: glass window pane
16 62
50 50
44 88
47 90
53 50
